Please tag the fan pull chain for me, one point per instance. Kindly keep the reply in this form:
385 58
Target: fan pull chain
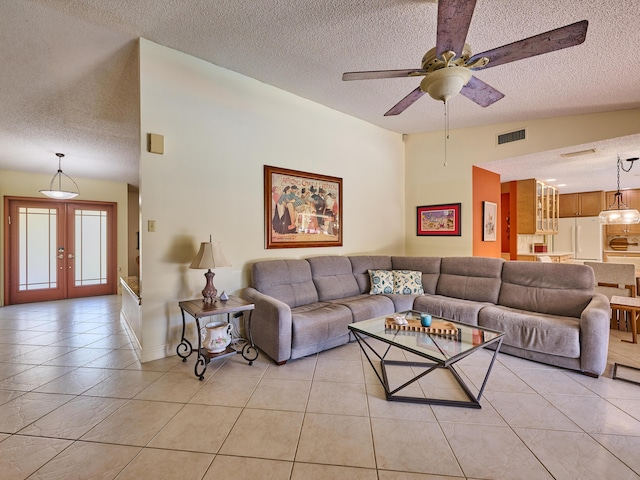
446 130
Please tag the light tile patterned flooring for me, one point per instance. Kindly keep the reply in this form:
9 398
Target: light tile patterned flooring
75 403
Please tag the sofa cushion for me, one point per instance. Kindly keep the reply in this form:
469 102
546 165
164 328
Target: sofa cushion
464 311
542 333
364 306
361 264
286 280
553 288
333 277
429 266
316 325
407 282
381 281
470 278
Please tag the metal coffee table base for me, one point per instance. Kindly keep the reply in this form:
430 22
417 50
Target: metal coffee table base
392 395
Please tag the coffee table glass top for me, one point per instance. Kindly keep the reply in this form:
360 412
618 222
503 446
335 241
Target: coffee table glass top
438 347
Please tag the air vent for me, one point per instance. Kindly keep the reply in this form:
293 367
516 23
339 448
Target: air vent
511 137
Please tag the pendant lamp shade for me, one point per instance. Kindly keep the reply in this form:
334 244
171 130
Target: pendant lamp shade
59 193
618 212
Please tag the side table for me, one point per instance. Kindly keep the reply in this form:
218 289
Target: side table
631 305
198 309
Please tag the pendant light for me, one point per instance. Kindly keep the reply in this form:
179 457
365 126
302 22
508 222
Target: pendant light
59 193
618 212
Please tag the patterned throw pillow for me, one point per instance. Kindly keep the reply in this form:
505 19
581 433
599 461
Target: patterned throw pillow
381 281
407 282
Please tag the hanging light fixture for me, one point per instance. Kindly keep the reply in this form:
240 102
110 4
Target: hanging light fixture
60 194
618 212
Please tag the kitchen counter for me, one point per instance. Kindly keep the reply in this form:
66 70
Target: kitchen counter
556 257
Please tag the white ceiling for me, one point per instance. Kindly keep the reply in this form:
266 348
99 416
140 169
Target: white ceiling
68 80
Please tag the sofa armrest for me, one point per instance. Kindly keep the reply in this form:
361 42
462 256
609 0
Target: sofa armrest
270 325
594 335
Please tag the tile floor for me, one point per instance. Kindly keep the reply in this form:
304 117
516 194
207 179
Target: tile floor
75 403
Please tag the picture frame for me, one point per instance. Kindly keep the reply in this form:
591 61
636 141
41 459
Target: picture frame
301 209
489 221
439 220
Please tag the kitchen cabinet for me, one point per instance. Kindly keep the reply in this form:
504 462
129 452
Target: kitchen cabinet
584 204
631 198
537 205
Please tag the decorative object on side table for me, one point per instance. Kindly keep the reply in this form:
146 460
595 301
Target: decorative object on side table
210 256
216 336
223 296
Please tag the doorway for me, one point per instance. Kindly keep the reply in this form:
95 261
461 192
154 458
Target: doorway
58 249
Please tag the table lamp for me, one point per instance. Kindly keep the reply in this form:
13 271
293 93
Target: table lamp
210 256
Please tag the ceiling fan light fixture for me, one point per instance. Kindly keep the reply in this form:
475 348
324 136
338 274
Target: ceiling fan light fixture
59 193
445 83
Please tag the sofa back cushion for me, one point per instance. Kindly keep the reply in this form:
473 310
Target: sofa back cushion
360 266
470 278
552 288
286 280
429 266
333 277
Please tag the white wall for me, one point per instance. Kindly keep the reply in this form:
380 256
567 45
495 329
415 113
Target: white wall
220 129
429 182
22 184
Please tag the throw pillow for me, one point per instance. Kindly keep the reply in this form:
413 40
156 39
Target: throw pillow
381 282
407 282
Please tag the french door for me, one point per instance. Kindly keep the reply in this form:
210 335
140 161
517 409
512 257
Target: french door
58 249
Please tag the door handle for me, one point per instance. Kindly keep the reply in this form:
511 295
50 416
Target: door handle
61 256
71 255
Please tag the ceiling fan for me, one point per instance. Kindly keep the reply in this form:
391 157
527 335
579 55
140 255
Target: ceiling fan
447 68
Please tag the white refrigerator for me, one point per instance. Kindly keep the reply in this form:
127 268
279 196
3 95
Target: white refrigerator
580 235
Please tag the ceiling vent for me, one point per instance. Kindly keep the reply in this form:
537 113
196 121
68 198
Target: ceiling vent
511 136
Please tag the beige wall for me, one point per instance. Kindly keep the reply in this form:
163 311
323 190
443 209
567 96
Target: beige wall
22 184
220 128
429 182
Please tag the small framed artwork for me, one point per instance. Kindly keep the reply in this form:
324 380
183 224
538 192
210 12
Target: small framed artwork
439 220
489 216
301 209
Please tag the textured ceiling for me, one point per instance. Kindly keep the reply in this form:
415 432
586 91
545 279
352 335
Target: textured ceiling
69 68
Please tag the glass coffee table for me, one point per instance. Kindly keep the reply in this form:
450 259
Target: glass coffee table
440 350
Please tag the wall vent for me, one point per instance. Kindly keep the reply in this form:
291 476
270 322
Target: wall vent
511 136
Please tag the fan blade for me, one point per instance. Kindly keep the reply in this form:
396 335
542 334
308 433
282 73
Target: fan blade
563 37
374 74
481 93
454 17
405 103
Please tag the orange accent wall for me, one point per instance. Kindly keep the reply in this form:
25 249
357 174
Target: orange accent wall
486 188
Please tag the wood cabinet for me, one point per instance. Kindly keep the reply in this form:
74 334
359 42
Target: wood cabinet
631 198
537 208
584 204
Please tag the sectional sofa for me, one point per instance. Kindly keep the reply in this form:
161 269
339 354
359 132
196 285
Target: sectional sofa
549 312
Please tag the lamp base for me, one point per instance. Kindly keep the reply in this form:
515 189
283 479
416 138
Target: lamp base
209 292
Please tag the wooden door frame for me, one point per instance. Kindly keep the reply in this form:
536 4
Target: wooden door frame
9 255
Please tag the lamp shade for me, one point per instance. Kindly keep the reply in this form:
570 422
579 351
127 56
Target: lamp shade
60 193
210 255
619 216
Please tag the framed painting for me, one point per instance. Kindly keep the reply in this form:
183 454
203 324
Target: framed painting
489 216
439 220
301 209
